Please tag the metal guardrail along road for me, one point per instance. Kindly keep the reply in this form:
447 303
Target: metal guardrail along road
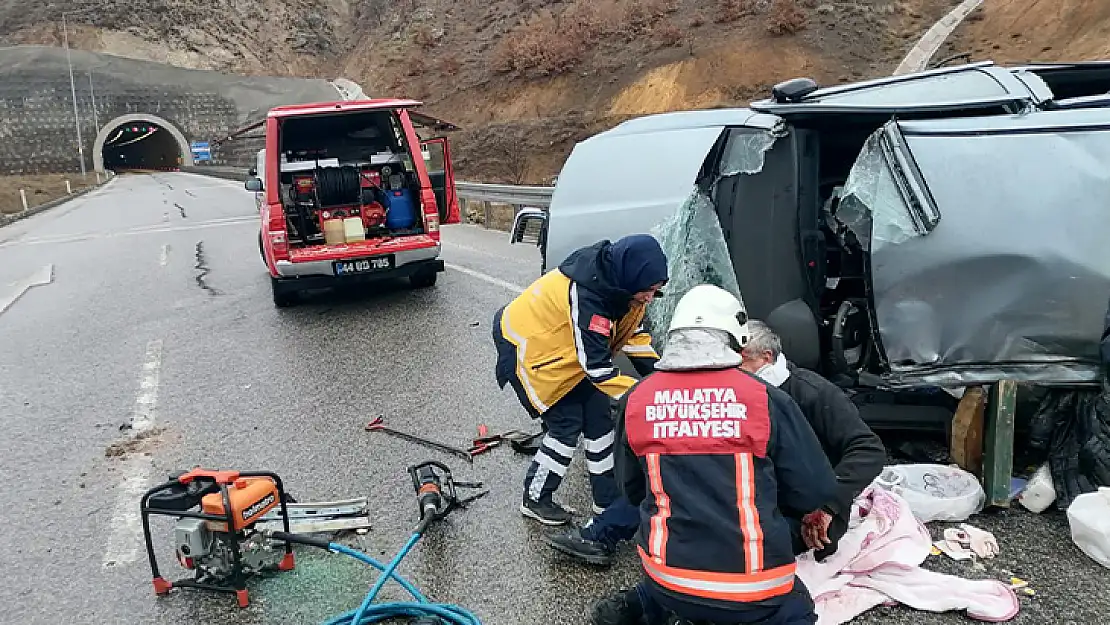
505 193
481 192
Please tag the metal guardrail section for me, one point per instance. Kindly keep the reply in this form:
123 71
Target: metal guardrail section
539 197
505 193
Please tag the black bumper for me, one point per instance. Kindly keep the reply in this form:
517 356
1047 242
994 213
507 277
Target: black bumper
328 282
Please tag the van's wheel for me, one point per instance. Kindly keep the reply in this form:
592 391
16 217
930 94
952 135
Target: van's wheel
261 250
424 279
284 297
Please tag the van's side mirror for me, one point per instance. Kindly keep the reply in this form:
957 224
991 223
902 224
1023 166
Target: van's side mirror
253 184
529 226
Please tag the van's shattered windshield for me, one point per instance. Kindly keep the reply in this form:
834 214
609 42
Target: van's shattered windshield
692 238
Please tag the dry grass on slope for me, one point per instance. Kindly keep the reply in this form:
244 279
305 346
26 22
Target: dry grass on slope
1013 31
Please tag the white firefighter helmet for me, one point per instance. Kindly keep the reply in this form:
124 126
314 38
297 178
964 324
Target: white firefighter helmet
708 306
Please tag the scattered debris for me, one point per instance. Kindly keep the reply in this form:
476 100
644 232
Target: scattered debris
951 548
967 541
1039 492
138 443
1020 585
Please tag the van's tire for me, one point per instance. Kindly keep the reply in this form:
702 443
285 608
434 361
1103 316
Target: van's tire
423 279
261 250
284 297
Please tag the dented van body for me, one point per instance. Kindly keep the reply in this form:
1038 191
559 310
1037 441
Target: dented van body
939 229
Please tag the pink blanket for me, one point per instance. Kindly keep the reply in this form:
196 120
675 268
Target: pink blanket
878 562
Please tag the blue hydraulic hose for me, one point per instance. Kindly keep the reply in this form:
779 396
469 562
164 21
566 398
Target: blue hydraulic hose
369 612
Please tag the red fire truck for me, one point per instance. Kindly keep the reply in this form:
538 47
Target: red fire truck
349 192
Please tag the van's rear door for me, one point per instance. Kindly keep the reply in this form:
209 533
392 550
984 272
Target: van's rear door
437 159
988 241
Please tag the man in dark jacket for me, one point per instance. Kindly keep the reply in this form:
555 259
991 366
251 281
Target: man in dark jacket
710 454
555 346
854 450
856 453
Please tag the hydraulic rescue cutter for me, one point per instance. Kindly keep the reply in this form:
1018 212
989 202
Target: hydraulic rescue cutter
219 541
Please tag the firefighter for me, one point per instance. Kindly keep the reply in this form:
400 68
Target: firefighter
711 454
556 343
853 449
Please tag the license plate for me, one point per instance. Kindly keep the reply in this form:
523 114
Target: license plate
363 265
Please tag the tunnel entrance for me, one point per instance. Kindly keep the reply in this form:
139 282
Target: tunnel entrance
140 143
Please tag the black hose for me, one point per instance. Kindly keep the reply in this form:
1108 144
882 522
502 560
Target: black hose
301 540
336 186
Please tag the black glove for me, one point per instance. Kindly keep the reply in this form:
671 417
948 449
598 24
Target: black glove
614 409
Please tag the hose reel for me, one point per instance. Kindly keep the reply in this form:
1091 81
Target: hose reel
338 186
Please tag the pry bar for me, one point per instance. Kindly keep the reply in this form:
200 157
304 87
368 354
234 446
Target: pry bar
378 424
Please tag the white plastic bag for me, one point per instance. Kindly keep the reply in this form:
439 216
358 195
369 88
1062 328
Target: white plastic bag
934 492
1039 493
1089 517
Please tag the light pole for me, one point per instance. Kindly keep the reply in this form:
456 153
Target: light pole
92 98
73 92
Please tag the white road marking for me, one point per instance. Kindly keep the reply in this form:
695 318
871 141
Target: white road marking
214 223
145 403
481 251
515 288
123 540
18 288
165 256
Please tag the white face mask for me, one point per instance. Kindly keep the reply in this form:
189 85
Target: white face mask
774 373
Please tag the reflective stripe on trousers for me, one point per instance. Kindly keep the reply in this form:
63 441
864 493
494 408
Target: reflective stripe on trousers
584 412
735 587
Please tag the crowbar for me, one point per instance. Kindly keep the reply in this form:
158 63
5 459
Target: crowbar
379 424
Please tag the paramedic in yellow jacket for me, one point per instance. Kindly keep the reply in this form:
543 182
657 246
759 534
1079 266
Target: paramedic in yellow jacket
555 346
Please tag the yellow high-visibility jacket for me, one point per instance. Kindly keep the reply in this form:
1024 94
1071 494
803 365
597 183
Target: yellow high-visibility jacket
564 332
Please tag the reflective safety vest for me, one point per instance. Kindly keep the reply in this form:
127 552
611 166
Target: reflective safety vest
719 451
562 334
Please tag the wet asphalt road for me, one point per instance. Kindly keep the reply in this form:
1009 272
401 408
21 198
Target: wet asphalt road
160 307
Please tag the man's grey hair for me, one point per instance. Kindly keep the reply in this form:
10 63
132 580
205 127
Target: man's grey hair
763 339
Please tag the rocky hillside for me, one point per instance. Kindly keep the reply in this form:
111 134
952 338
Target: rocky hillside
1035 30
526 78
283 37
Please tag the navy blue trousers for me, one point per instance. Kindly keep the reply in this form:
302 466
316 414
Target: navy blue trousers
616 524
796 609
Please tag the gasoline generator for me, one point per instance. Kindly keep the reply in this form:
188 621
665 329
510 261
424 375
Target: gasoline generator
215 534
